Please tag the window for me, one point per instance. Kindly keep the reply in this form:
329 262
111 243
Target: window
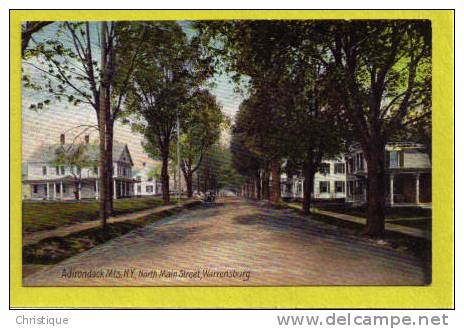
95 170
46 189
350 187
360 161
44 170
358 187
396 159
339 168
57 170
324 187
95 186
35 188
149 189
150 179
340 186
139 189
62 170
325 168
58 188
64 188
139 178
350 165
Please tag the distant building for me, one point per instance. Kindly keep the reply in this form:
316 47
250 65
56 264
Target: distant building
42 180
408 175
329 182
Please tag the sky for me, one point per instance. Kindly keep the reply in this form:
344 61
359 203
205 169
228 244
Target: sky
43 127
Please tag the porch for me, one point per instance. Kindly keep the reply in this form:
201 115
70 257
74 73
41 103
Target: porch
66 189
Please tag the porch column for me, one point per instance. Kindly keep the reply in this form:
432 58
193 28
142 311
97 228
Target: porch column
48 191
54 191
79 190
392 199
96 190
61 190
114 188
417 188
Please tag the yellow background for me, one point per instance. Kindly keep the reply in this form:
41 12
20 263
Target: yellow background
438 295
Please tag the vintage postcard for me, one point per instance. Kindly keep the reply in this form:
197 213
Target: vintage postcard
213 151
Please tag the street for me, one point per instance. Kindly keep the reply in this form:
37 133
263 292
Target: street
234 243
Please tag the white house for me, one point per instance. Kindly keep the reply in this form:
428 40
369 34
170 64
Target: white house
329 182
146 184
42 180
408 175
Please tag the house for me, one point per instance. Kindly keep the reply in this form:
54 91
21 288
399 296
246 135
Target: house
146 184
44 180
329 182
408 177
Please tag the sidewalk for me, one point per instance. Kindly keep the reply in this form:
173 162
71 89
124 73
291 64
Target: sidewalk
31 238
414 232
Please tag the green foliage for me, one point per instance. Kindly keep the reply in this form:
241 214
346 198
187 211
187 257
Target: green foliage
201 129
75 157
217 171
166 78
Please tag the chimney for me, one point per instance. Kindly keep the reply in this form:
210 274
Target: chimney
62 139
87 139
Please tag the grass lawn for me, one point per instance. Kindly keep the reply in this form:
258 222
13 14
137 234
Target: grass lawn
391 213
419 247
39 216
419 218
55 249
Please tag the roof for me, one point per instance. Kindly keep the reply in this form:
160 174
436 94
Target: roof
47 153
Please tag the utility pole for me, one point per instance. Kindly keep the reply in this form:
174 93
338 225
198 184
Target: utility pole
178 159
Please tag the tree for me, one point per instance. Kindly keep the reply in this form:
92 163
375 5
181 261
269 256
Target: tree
200 130
216 171
170 71
71 71
379 76
257 55
75 157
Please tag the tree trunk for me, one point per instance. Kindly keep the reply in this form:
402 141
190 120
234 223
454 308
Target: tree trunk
308 184
76 190
165 177
258 185
109 163
275 172
265 184
103 119
375 158
189 181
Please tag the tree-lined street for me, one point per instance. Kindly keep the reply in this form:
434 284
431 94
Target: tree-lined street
277 247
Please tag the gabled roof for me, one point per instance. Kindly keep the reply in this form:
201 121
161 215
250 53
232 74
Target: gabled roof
47 153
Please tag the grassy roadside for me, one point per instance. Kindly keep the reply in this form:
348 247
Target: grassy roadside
55 249
39 216
419 218
421 248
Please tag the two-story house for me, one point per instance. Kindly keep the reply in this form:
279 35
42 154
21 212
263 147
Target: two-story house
408 178
329 182
44 180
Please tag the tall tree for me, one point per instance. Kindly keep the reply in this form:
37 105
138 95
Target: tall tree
170 70
256 54
379 74
80 64
200 130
